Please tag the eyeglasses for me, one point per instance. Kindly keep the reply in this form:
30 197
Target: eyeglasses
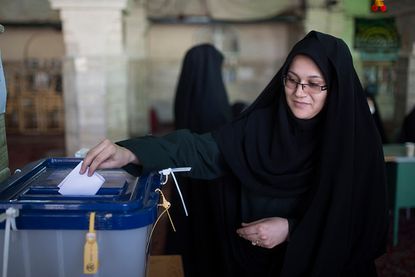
310 87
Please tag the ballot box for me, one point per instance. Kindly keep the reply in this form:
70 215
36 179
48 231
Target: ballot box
51 228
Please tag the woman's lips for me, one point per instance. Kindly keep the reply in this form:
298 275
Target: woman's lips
301 104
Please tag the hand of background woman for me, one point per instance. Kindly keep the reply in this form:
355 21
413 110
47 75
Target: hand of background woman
107 155
266 232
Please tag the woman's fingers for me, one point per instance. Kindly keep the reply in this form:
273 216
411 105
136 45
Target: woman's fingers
253 236
107 155
253 222
102 159
251 229
267 232
250 232
90 156
97 156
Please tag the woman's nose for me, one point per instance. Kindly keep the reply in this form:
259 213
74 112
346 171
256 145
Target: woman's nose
299 91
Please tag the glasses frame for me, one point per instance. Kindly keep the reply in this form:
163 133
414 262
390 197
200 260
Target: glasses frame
322 88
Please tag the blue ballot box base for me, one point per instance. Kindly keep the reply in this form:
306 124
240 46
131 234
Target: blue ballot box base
51 228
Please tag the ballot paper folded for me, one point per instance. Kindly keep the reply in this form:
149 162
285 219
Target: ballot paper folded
80 184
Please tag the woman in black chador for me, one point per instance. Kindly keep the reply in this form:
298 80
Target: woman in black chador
201 105
374 110
305 191
407 132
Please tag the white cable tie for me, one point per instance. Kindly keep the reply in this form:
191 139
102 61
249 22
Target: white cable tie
10 217
166 172
181 169
11 214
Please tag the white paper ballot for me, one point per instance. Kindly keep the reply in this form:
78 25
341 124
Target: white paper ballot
80 184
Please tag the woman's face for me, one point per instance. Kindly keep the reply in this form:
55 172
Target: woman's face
307 99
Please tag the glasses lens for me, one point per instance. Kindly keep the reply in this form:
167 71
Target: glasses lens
313 88
290 83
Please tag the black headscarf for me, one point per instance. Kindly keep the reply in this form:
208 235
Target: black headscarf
201 102
339 151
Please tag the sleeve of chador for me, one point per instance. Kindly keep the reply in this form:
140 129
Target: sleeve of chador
177 149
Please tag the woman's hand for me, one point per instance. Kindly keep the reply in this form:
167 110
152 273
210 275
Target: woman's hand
107 155
266 232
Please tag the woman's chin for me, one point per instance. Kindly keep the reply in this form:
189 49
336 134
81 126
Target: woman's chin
302 114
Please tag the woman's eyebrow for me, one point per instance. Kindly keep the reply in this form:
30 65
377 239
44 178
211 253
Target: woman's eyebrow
289 71
311 76
316 76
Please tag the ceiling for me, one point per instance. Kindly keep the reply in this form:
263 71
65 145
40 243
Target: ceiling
39 11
